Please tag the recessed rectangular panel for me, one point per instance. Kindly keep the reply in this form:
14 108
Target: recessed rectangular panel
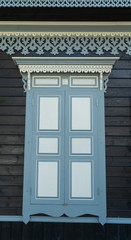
48 145
81 145
46 81
84 81
48 115
81 113
47 186
81 180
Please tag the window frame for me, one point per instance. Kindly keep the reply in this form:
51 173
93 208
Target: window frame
103 69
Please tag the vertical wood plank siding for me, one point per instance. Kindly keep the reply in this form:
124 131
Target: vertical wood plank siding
118 141
59 231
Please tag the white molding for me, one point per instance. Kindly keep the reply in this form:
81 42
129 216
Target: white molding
34 85
63 23
70 33
65 68
89 85
59 28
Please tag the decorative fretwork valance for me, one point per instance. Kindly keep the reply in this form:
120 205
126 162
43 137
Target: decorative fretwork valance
65 3
57 43
31 65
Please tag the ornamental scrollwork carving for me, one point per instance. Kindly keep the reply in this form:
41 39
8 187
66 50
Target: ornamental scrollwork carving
65 3
29 66
26 71
106 80
67 43
65 68
24 80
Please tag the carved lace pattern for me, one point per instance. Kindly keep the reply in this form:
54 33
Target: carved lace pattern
65 3
65 68
55 45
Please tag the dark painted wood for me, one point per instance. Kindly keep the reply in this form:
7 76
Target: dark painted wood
8 64
118 131
27 231
124 151
11 159
37 231
11 202
17 130
9 110
117 111
10 73
123 64
118 121
11 170
12 120
118 92
5 231
16 231
65 14
121 213
10 82
118 181
118 141
118 161
63 231
11 139
118 172
119 82
10 211
118 102
12 92
12 191
12 149
125 204
122 73
119 193
13 101
11 180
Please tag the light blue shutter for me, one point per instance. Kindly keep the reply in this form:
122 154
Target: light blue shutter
67 159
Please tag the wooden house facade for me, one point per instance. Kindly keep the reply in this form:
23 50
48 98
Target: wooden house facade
52 50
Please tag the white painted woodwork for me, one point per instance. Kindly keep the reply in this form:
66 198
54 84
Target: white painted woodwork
47 179
83 81
81 145
81 113
47 81
48 119
90 81
81 180
48 145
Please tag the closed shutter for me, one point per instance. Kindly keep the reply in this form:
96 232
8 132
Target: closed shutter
67 161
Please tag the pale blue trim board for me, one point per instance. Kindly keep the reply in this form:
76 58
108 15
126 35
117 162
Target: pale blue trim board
64 219
11 219
118 220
